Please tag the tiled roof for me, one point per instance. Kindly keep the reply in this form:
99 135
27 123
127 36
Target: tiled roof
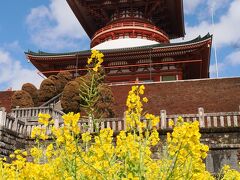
86 52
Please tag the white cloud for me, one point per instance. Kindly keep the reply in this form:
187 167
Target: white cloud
217 4
13 74
55 27
226 30
234 58
191 5
213 69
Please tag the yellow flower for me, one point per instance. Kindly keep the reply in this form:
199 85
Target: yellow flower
89 60
126 156
86 137
141 89
95 69
154 138
18 151
49 150
43 119
171 122
25 153
35 152
226 167
145 99
96 59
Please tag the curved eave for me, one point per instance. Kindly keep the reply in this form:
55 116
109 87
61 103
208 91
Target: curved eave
161 47
42 61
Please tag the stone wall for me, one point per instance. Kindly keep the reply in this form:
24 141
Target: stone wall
220 131
224 144
10 140
184 97
224 147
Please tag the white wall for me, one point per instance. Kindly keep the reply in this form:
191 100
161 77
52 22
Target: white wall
124 43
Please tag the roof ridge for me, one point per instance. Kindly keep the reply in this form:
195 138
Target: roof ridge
197 39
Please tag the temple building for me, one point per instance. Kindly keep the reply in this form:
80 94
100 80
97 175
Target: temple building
135 39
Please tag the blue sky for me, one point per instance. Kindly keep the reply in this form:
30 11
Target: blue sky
49 25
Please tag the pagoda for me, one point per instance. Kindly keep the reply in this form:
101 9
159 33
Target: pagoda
134 36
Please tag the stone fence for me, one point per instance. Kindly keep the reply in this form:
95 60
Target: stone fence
23 120
52 101
206 120
220 131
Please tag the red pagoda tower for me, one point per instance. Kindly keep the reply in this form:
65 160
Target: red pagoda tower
135 39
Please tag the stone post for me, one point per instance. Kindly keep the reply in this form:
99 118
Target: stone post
124 121
163 120
56 122
14 125
2 116
17 113
51 109
90 124
201 117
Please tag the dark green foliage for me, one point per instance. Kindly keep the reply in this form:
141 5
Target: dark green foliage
47 90
57 83
60 80
33 91
96 98
70 99
22 99
63 77
104 104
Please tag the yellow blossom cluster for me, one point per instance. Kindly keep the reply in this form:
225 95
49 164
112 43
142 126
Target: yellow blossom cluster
44 119
71 154
41 132
76 155
228 173
186 152
96 60
134 113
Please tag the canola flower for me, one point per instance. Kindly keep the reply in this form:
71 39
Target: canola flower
134 111
67 153
96 60
72 154
84 156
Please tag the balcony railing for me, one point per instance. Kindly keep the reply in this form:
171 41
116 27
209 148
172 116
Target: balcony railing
23 120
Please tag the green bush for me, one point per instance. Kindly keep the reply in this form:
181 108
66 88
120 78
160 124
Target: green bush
22 99
70 100
47 90
33 91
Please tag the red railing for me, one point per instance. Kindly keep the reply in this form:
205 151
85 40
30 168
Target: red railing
130 24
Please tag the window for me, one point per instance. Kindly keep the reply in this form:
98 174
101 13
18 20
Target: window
169 78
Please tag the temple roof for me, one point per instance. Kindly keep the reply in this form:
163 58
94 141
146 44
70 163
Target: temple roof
197 40
194 53
166 14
